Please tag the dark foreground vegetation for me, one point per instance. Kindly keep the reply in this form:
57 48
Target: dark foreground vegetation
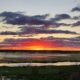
40 73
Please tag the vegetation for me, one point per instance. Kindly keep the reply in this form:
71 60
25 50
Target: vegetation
41 73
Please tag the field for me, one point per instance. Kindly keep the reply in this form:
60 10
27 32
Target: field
40 73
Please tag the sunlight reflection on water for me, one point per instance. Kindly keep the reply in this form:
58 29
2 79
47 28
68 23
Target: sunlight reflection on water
40 64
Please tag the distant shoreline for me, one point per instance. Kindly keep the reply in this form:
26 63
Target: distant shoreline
41 51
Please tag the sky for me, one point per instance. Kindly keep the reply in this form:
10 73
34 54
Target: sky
37 6
40 25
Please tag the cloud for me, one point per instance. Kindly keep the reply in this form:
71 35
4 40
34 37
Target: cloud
21 19
77 39
76 17
63 42
9 33
36 24
10 16
76 24
61 17
13 41
16 18
76 9
32 30
27 29
67 42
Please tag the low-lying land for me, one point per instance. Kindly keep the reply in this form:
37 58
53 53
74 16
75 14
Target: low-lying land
41 73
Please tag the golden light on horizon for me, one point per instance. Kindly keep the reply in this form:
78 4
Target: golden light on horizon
39 45
36 48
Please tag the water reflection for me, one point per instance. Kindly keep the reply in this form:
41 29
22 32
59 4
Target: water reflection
39 64
27 57
25 54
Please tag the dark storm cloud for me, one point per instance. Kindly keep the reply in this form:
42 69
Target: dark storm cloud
61 17
76 9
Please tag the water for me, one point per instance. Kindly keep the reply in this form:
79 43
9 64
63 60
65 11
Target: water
27 54
38 59
31 59
28 57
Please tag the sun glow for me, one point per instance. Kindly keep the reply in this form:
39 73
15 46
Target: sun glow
36 48
37 44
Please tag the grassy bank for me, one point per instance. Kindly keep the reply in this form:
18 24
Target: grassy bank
42 73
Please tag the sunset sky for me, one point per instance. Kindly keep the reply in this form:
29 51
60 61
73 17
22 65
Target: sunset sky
40 25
